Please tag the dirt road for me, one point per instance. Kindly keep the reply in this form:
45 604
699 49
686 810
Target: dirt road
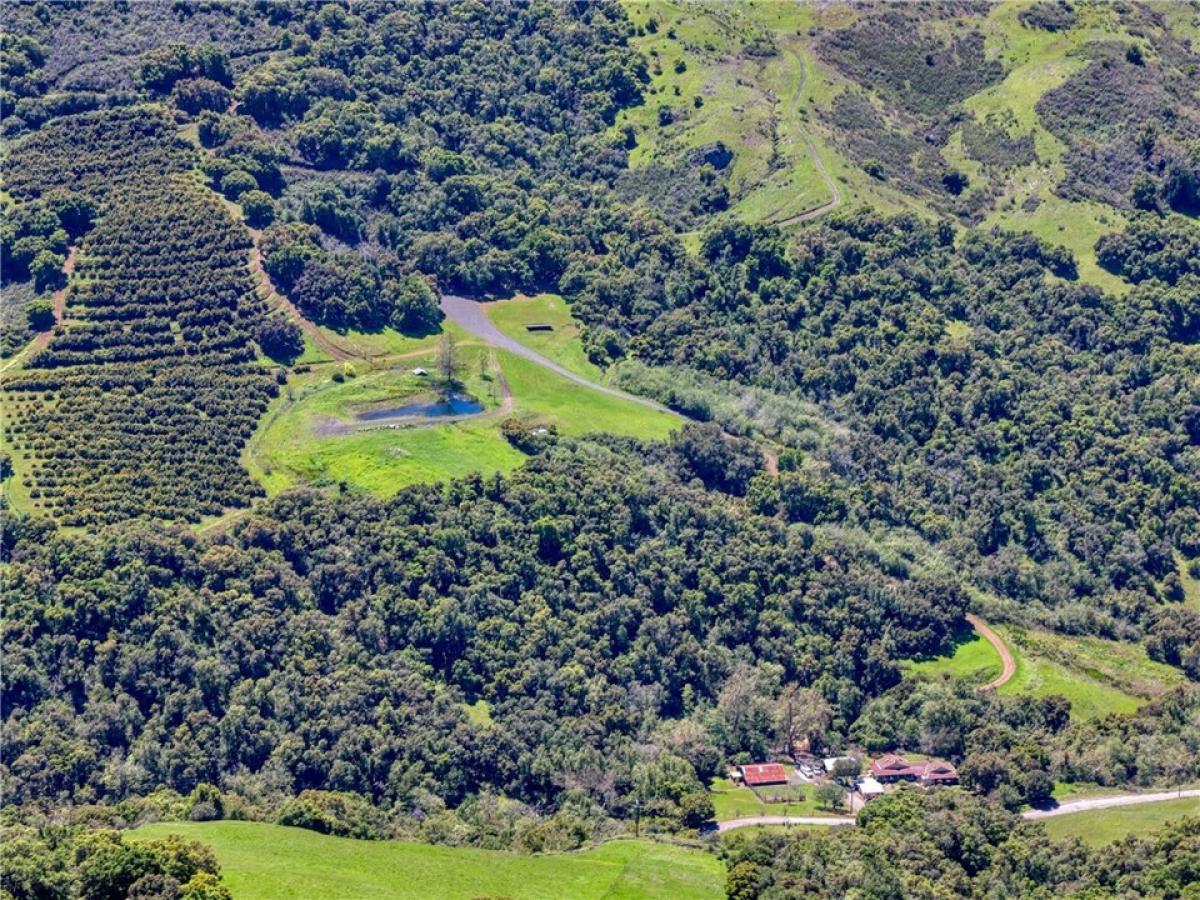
275 298
1009 665
834 190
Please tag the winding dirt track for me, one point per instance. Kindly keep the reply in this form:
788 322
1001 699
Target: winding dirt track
835 192
1009 665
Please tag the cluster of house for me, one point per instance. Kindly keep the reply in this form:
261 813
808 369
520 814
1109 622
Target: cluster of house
888 769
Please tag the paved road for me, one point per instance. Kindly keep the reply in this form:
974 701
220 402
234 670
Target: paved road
1084 804
1089 803
1009 665
470 316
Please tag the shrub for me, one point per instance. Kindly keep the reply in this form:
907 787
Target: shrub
338 813
237 183
258 208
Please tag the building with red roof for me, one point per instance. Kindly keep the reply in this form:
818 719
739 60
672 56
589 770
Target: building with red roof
891 768
758 774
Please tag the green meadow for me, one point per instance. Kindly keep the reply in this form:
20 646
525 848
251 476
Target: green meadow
307 438
562 345
973 659
735 801
1102 826
271 862
1098 676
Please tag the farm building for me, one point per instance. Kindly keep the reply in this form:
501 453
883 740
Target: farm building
891 768
759 774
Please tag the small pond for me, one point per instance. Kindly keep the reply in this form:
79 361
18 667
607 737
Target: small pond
455 405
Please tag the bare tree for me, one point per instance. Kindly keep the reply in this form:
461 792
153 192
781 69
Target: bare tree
802 718
447 358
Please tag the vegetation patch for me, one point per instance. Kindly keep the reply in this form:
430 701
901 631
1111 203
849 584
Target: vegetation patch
1096 675
1097 828
270 861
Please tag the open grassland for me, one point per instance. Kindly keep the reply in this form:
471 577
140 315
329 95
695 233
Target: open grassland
974 659
1099 827
573 409
270 862
304 438
752 101
761 84
735 801
1098 676
562 345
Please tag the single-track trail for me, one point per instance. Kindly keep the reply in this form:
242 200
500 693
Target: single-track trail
835 192
1008 664
60 304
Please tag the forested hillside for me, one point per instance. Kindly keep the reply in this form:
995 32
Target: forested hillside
916 286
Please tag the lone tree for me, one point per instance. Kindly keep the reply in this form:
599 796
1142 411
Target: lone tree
447 358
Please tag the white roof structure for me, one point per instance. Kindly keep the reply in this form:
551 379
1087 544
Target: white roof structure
869 787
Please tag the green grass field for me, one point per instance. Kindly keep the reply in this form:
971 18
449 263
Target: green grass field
563 345
734 801
296 444
1098 676
974 660
1103 826
270 862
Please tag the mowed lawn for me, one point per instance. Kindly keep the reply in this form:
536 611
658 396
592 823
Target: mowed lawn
562 344
735 801
271 862
1103 826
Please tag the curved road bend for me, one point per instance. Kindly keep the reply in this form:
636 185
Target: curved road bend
1089 803
470 316
1008 664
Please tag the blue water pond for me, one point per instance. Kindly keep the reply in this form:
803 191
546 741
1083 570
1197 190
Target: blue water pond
455 405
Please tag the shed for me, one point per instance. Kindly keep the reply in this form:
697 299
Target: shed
763 773
869 788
